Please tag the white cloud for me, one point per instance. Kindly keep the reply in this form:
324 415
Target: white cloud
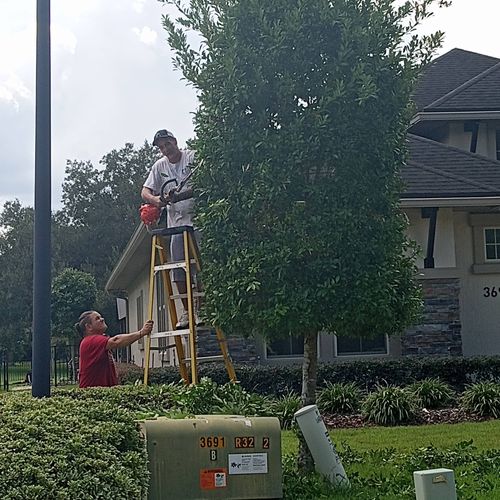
138 5
63 38
147 35
13 89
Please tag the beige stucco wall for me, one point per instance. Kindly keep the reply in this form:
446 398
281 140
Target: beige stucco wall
444 246
486 139
480 315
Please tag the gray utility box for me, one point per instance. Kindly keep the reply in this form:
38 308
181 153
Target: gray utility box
214 456
435 484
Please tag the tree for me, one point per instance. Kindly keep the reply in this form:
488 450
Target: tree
101 208
16 277
100 212
73 292
303 110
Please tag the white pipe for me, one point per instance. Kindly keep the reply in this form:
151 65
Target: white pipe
322 449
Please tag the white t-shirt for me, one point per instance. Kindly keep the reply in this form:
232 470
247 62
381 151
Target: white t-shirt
180 213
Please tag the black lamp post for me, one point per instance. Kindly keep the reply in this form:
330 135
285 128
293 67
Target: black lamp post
42 229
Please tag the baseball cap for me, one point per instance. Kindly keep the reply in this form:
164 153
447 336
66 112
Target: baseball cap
162 134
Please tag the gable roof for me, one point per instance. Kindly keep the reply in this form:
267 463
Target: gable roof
437 170
448 72
481 93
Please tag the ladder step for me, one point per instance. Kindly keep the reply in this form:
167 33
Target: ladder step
184 295
173 265
206 358
170 333
164 348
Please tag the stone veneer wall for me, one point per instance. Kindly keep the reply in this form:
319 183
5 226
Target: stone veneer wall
439 333
240 349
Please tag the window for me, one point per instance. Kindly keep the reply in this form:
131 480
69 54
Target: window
161 309
140 316
498 144
355 346
288 347
492 243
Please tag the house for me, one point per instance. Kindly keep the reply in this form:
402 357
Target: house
452 200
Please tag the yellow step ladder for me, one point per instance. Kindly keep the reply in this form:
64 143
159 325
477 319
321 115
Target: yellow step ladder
188 365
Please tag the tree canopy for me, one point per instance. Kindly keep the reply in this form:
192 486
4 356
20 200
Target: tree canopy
73 292
98 215
304 106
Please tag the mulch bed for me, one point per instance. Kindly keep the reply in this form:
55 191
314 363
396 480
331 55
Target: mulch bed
426 417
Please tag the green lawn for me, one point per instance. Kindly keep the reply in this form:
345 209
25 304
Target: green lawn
380 461
486 435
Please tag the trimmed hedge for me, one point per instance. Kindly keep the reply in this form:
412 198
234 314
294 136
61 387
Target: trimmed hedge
64 448
458 372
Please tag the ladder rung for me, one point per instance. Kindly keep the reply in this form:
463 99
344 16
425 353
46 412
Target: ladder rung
163 348
170 333
206 358
184 295
173 265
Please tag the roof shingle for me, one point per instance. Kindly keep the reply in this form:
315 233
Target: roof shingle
448 72
437 170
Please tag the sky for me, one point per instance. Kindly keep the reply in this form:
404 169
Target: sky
113 81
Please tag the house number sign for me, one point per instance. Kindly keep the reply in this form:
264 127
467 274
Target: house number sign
491 292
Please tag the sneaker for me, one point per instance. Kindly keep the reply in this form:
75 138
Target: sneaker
183 321
198 321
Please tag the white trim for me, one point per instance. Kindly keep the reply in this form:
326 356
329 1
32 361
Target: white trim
425 116
474 201
127 254
485 245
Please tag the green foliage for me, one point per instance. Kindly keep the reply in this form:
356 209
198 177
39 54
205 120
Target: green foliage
99 214
387 473
301 127
432 393
138 399
367 374
16 277
100 208
73 292
339 398
389 406
483 399
304 486
62 448
209 397
284 407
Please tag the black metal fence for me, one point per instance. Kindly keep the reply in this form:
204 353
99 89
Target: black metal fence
15 374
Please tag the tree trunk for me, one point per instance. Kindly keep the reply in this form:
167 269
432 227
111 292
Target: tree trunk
309 381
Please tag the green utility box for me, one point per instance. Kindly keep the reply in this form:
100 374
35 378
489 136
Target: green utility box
214 456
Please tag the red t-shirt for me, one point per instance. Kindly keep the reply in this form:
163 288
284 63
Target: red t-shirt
97 367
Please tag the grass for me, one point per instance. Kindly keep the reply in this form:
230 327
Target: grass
380 461
486 436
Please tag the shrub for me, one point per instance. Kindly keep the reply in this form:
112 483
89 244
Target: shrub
432 393
285 407
483 399
339 398
237 401
60 447
389 406
367 374
138 399
128 373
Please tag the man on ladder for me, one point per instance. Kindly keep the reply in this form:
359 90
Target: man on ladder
175 165
176 168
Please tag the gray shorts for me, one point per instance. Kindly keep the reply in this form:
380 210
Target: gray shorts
177 253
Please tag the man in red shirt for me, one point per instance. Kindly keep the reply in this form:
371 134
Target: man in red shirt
97 366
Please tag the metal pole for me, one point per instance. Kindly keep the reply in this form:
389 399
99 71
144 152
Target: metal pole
41 235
